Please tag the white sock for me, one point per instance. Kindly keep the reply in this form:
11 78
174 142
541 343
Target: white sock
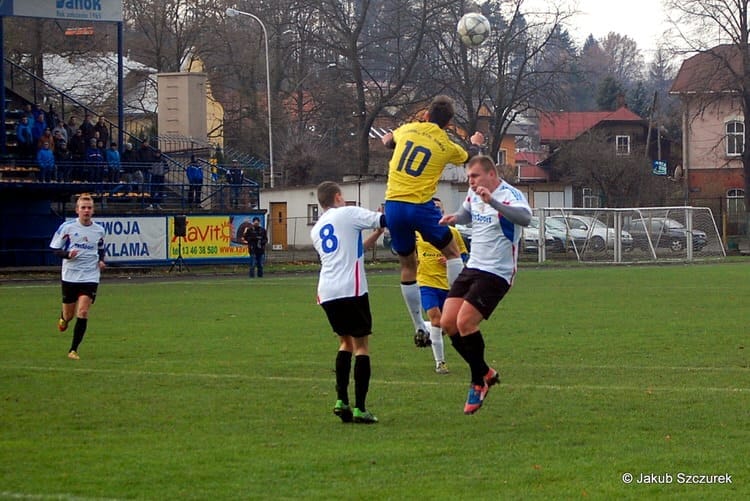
453 268
413 304
436 336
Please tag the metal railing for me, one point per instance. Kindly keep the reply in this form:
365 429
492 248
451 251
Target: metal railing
133 184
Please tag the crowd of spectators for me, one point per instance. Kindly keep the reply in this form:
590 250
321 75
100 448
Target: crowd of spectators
66 152
70 151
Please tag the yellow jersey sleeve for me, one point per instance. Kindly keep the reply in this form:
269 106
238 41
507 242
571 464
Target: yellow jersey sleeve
422 151
461 244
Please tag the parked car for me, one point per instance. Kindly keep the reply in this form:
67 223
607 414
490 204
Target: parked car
591 234
664 233
555 236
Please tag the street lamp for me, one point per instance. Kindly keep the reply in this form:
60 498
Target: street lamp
230 12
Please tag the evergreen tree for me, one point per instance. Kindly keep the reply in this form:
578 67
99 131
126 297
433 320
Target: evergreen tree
591 63
560 56
610 92
640 100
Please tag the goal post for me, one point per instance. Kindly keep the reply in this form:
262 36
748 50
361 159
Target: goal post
626 235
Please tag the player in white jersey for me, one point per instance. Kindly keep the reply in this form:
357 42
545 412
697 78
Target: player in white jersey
497 211
80 244
342 292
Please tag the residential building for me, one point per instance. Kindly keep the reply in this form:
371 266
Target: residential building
622 131
713 134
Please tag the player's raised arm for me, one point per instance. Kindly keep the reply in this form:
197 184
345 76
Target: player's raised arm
476 144
388 141
516 214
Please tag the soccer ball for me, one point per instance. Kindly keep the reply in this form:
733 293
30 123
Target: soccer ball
473 29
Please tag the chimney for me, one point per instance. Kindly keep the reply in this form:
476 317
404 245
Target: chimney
621 101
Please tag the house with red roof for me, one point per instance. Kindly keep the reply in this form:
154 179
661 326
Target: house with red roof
529 170
621 130
558 127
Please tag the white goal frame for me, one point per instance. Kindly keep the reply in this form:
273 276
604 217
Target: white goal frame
668 243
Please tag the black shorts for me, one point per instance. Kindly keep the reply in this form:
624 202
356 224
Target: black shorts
481 289
349 316
71 291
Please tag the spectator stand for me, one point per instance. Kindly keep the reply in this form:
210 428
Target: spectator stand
32 207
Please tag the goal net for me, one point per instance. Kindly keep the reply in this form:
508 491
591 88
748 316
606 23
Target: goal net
627 235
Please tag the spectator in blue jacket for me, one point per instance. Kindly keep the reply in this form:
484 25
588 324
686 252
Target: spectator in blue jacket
195 178
113 163
94 163
46 161
38 128
25 138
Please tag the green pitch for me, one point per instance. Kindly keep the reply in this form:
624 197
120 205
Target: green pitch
223 388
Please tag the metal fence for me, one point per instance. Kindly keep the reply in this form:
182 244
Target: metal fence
631 235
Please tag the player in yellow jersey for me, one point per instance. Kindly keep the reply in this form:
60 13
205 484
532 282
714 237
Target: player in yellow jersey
421 152
433 288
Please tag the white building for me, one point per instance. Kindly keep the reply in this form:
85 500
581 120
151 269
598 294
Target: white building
291 212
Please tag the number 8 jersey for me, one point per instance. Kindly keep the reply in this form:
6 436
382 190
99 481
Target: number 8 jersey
422 151
337 236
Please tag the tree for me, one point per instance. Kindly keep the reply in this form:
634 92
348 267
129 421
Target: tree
591 65
609 95
615 57
639 101
521 68
572 81
530 64
163 33
696 23
376 45
624 60
621 180
667 110
28 40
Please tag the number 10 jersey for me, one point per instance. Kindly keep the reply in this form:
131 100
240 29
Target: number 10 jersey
422 151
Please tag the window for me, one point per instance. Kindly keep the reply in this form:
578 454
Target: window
502 157
577 224
735 138
735 205
590 200
312 214
622 145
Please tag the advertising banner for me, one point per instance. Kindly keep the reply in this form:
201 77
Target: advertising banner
212 237
134 239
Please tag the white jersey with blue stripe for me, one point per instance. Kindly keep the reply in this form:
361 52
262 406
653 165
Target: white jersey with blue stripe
494 239
337 236
88 241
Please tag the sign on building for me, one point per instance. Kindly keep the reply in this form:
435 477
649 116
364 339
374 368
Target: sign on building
73 10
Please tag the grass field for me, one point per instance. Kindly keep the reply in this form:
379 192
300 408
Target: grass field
222 389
